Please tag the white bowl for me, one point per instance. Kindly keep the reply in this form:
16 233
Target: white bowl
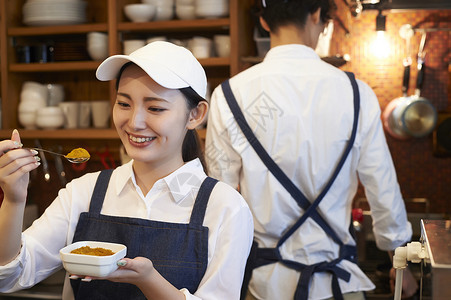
132 45
222 45
201 47
159 2
185 11
97 52
90 265
50 117
27 119
140 12
212 8
36 92
164 13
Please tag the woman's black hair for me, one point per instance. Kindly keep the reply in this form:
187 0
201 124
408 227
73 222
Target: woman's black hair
191 147
284 12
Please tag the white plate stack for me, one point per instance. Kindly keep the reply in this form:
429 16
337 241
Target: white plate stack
54 12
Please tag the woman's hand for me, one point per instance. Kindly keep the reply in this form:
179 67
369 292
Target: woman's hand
15 165
140 272
135 271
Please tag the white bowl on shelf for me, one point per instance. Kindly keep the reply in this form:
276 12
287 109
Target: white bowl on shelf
185 11
27 116
140 12
132 45
50 117
35 93
212 8
97 45
222 45
164 13
159 2
90 265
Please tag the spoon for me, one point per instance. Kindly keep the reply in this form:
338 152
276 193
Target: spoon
74 160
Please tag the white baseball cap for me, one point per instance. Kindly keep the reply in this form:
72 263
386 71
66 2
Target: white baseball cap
171 66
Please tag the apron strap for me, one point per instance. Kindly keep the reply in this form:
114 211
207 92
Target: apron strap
260 150
200 204
98 195
312 208
295 192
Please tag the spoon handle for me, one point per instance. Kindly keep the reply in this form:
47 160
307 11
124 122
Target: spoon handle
39 149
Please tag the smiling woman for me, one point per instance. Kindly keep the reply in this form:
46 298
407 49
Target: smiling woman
187 235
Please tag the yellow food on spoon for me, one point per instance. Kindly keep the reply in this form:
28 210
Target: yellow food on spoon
78 153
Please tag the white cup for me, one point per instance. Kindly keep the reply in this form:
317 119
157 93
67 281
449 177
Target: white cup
70 110
97 45
100 113
222 45
84 115
200 46
132 45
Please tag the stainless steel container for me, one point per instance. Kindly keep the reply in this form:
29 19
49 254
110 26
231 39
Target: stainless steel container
436 237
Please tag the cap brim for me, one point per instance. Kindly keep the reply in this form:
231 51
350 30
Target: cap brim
110 67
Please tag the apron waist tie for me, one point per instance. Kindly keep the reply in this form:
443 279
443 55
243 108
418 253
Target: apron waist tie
331 267
265 256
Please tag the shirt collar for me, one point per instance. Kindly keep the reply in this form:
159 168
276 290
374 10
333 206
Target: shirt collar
291 51
183 182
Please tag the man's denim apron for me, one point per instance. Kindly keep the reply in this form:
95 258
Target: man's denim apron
264 256
178 251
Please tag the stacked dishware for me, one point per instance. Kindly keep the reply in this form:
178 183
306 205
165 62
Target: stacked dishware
39 105
53 12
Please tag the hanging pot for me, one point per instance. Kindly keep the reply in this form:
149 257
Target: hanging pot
392 113
412 116
419 116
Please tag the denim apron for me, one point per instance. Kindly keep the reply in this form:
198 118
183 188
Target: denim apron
264 256
178 251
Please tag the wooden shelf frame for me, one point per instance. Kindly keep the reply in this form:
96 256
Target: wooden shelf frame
109 18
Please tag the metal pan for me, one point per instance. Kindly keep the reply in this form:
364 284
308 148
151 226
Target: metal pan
419 116
391 116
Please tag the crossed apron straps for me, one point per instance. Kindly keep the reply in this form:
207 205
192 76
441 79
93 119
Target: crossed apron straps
264 256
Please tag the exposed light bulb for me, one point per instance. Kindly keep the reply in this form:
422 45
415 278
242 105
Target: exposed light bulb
380 47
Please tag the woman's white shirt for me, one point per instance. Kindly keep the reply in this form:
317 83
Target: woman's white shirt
170 200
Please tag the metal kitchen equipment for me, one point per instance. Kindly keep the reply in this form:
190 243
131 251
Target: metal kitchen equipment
434 250
436 237
412 116
392 113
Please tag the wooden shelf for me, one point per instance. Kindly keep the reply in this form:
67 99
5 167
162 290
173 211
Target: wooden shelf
54 66
55 30
78 77
92 65
177 25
